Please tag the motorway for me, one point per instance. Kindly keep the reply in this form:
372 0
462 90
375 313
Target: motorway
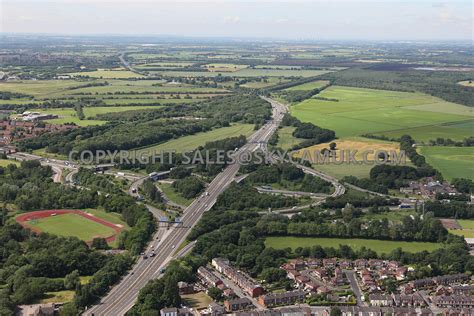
123 296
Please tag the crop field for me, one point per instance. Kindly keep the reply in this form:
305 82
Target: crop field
120 89
79 224
190 142
224 67
108 74
379 246
309 86
360 111
352 143
247 72
453 162
456 131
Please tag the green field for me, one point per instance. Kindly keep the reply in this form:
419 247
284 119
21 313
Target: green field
453 162
247 72
6 162
379 246
361 111
466 223
67 115
66 89
199 300
285 138
174 196
190 142
72 225
108 74
309 86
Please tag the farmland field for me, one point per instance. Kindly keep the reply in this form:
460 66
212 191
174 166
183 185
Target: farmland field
190 142
360 111
309 86
351 143
379 246
453 162
107 74
247 72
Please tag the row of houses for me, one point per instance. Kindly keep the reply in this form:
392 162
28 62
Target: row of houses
306 310
414 300
453 301
439 280
331 263
280 299
245 282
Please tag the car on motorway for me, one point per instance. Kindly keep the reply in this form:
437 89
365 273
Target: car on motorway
162 270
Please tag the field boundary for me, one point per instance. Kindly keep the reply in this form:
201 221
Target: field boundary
24 218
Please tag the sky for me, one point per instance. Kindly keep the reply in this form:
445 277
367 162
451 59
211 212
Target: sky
289 19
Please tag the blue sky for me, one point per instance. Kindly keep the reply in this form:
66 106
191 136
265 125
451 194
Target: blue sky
297 19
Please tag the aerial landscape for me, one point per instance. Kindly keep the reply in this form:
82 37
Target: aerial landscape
220 160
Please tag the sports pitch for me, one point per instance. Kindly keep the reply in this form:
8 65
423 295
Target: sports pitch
70 223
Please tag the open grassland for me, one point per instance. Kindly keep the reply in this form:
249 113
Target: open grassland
264 83
308 86
466 233
174 196
57 297
190 142
466 223
360 111
68 115
6 162
199 300
379 246
108 74
286 140
453 162
71 225
394 216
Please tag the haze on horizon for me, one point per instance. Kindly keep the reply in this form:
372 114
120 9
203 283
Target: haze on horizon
299 19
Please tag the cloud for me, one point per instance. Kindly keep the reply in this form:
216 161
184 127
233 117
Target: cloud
232 19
